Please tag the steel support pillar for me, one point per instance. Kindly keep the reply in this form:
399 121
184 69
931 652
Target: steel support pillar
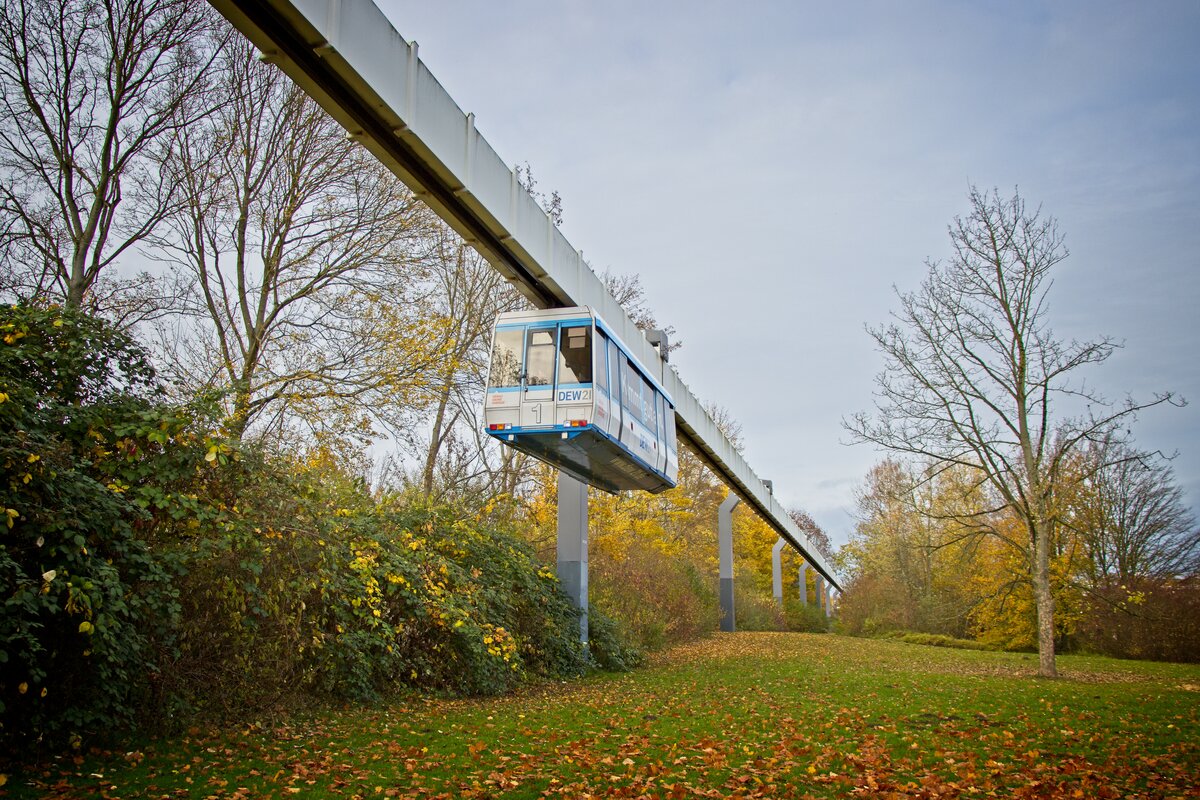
725 551
777 570
573 545
804 582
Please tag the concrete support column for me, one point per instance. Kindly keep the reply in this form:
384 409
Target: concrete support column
725 551
820 587
829 602
573 545
804 582
777 570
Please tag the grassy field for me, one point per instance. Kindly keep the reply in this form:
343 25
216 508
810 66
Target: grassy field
742 715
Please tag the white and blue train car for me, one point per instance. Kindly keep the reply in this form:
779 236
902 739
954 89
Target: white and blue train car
563 388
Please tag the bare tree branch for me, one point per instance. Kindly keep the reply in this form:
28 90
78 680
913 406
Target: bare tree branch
88 88
306 257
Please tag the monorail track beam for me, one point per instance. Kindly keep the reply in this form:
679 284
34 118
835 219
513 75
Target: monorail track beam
350 59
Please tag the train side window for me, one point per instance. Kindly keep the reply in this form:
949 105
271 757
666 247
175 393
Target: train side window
575 355
648 414
539 357
631 399
506 358
601 366
662 418
614 362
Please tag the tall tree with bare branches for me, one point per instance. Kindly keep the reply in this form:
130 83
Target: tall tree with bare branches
88 89
306 255
1133 518
468 294
975 377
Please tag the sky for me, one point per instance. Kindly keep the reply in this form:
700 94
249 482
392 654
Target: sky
775 171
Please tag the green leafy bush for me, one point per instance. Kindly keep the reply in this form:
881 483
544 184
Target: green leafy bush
312 584
441 602
609 644
804 617
88 455
936 640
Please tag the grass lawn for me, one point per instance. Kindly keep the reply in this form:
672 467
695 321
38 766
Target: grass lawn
741 715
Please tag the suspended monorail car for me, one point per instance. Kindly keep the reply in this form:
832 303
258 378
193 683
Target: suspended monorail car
563 388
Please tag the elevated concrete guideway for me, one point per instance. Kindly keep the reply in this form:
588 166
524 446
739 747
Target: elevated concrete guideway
349 58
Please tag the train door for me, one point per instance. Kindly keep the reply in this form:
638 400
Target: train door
629 401
537 392
603 414
672 470
614 387
573 383
638 414
650 420
659 407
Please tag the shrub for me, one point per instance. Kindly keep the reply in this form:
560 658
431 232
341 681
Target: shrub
656 599
869 607
89 458
609 644
1152 619
804 617
940 640
313 585
755 611
482 611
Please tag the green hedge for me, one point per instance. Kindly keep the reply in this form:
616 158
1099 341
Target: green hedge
937 640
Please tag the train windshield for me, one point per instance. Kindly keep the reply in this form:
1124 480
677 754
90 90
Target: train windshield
575 355
506 358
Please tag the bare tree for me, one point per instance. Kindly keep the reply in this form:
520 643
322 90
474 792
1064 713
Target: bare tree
305 253
89 88
550 203
815 533
973 376
628 291
468 294
1133 519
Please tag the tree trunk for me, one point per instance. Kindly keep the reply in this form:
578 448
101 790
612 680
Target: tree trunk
74 297
1045 603
76 285
239 419
436 438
